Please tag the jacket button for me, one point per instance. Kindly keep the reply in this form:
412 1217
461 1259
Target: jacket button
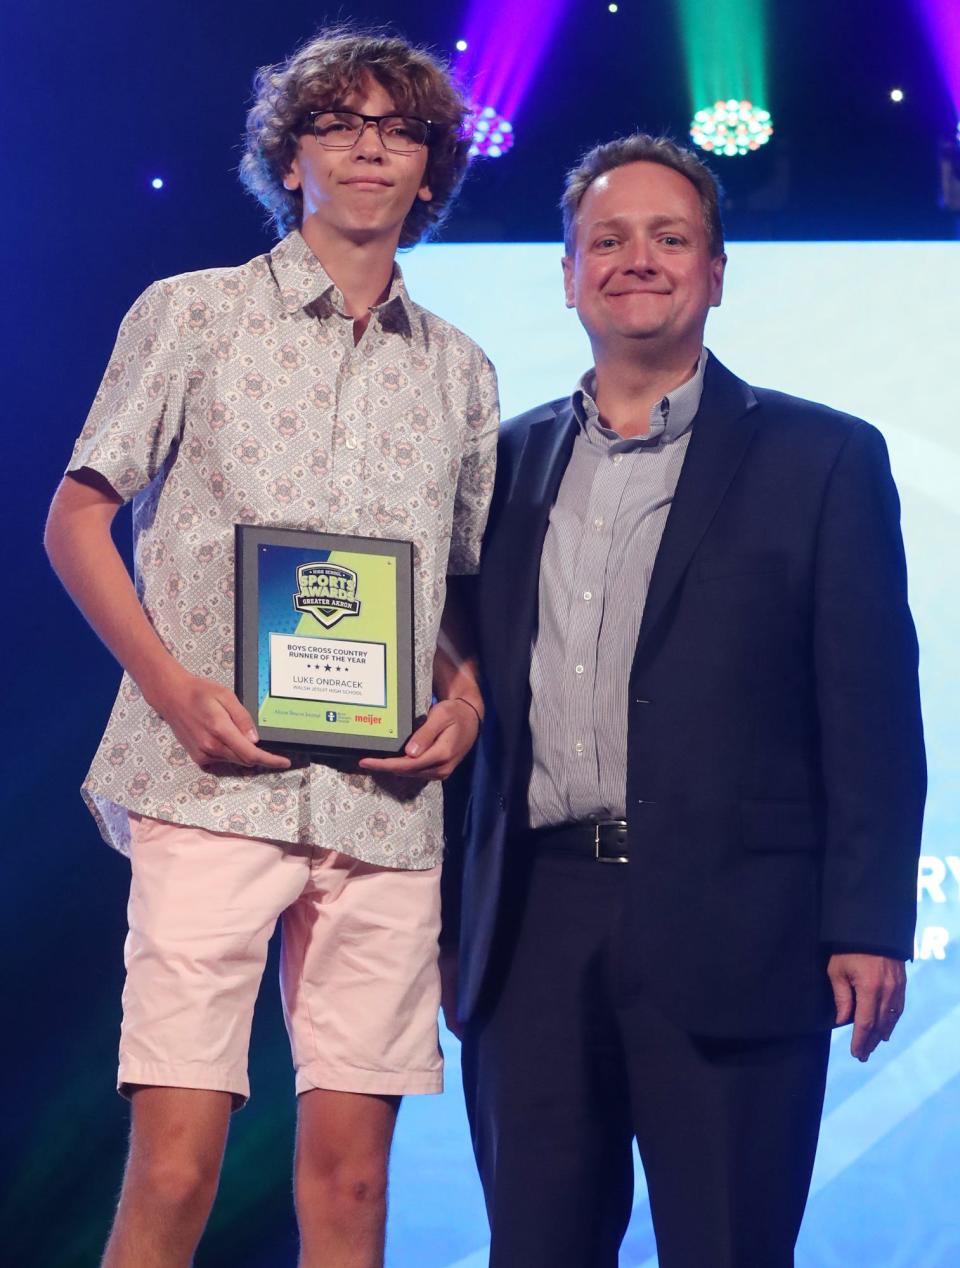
502 802
639 701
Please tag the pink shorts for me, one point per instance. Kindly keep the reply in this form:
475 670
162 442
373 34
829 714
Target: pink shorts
361 987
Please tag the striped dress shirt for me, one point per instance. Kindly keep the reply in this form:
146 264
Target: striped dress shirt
604 531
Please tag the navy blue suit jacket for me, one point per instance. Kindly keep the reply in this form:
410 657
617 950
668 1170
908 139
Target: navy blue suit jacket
775 777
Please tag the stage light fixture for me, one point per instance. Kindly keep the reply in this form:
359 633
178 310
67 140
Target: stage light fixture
613 8
492 134
896 94
157 182
461 46
731 127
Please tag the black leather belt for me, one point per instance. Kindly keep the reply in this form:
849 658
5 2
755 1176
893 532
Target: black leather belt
604 841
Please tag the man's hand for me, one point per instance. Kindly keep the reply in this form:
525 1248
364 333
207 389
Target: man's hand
437 746
449 985
210 722
870 990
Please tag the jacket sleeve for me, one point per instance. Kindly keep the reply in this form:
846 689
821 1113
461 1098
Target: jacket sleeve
456 796
866 660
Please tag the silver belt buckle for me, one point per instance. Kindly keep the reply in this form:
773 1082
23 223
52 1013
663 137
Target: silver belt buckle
605 858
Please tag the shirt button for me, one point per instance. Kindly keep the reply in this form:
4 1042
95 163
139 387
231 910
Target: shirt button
579 746
579 669
618 457
351 442
588 595
598 523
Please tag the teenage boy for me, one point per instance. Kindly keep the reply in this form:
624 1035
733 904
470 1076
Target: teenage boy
303 389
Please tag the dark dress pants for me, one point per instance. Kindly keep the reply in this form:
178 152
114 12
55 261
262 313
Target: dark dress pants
566 1065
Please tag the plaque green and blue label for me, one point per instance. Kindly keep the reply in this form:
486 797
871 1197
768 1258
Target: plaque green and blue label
331 619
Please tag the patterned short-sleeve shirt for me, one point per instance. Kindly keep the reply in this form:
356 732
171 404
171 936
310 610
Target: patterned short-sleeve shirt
237 395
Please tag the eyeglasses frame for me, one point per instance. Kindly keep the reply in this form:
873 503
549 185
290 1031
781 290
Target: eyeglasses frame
377 119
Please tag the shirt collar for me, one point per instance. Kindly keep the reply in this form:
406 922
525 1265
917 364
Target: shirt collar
303 282
670 417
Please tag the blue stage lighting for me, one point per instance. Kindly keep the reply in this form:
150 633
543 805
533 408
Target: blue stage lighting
157 182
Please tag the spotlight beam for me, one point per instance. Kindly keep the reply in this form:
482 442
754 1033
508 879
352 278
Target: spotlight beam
941 19
724 46
505 44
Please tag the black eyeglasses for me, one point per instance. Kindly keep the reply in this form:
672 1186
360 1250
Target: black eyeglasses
342 129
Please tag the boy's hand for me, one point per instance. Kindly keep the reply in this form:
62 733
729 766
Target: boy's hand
437 746
210 722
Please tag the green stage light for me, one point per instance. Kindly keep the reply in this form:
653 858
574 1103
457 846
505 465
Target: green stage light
724 44
731 127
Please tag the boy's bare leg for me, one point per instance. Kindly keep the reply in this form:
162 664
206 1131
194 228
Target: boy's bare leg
177 1137
340 1177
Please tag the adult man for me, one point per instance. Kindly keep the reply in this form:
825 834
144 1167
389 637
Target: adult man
304 389
700 778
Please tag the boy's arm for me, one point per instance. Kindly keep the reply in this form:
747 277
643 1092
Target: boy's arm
449 730
206 717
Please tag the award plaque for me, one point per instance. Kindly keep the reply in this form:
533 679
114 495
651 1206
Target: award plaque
324 640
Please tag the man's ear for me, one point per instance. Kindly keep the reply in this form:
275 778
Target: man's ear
717 269
569 288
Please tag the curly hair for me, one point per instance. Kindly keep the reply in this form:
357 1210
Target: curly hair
325 70
640 147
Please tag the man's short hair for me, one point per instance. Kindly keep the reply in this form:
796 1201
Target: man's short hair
324 71
642 148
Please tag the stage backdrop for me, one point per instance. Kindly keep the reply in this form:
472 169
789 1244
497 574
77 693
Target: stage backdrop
871 329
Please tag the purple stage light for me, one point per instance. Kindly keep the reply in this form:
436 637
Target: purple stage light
505 44
492 134
942 20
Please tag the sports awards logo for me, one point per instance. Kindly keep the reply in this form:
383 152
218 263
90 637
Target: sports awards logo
327 592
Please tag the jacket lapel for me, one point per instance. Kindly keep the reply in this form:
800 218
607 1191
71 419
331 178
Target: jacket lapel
722 430
512 564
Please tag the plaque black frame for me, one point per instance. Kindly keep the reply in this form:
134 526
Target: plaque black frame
248 539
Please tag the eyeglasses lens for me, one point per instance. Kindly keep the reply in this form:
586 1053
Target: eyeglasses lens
340 130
